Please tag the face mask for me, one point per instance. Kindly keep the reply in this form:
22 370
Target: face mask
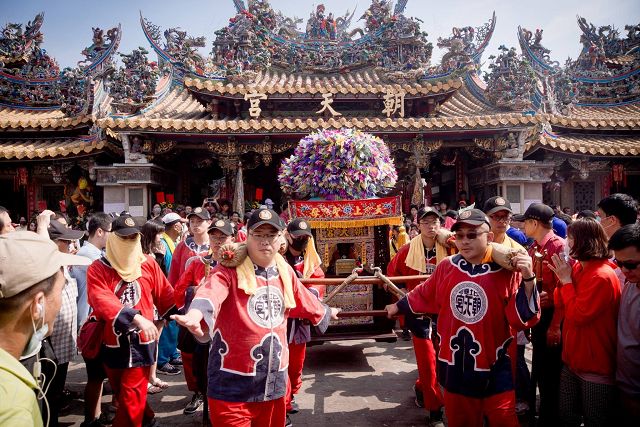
35 342
299 244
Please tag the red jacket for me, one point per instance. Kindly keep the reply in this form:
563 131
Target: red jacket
184 251
123 346
477 305
397 266
190 278
249 355
589 332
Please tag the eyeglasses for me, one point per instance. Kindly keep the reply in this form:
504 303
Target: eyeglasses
469 236
501 218
268 238
627 265
217 239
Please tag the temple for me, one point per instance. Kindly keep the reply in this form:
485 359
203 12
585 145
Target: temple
170 120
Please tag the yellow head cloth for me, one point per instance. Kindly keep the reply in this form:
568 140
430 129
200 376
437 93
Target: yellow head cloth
125 256
311 259
416 258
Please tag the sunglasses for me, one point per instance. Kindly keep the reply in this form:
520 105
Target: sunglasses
469 236
628 265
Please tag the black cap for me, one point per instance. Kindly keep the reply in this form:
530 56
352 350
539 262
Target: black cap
495 204
473 217
222 225
299 227
428 210
59 231
124 226
200 213
538 211
265 216
586 213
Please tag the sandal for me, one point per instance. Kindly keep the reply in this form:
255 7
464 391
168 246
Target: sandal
157 382
152 389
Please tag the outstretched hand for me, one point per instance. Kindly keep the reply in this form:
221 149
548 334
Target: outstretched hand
334 313
392 310
191 321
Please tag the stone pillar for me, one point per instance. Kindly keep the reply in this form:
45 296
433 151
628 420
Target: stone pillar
519 181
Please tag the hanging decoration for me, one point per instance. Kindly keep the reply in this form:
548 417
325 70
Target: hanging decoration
339 165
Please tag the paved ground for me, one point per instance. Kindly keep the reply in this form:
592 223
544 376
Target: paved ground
352 383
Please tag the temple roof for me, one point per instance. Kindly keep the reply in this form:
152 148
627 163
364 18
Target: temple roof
596 145
43 148
362 82
19 119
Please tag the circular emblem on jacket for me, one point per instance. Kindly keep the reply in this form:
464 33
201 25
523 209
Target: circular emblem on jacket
266 307
468 302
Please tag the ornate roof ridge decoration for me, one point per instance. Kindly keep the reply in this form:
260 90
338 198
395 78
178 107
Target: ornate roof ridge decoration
133 87
464 48
367 81
50 148
306 125
511 82
30 79
178 48
535 52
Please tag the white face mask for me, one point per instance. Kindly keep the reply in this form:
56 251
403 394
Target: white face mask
35 342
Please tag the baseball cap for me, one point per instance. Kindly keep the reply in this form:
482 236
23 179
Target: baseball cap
473 217
200 213
27 258
428 210
222 225
264 216
537 211
495 204
299 227
124 226
172 218
59 231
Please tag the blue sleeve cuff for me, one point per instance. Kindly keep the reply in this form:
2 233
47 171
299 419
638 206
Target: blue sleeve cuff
323 325
123 321
403 306
208 312
527 308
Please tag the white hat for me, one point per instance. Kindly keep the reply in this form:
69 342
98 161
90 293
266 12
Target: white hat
172 218
26 258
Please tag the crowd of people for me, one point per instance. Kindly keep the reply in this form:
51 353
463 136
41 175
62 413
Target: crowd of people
570 289
170 295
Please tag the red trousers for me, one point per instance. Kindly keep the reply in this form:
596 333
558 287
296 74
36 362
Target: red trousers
187 367
130 387
296 363
427 381
463 411
247 414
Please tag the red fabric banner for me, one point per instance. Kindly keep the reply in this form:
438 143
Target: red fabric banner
349 213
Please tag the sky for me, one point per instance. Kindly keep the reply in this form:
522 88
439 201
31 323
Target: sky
67 23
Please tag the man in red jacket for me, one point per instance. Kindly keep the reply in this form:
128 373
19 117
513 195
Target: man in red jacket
302 256
243 311
545 336
192 248
408 262
478 304
122 288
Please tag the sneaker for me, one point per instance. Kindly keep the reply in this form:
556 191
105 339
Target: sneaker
522 407
435 419
194 405
406 335
287 422
294 407
176 361
419 400
168 369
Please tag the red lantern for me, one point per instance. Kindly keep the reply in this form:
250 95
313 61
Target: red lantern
618 173
160 197
170 198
